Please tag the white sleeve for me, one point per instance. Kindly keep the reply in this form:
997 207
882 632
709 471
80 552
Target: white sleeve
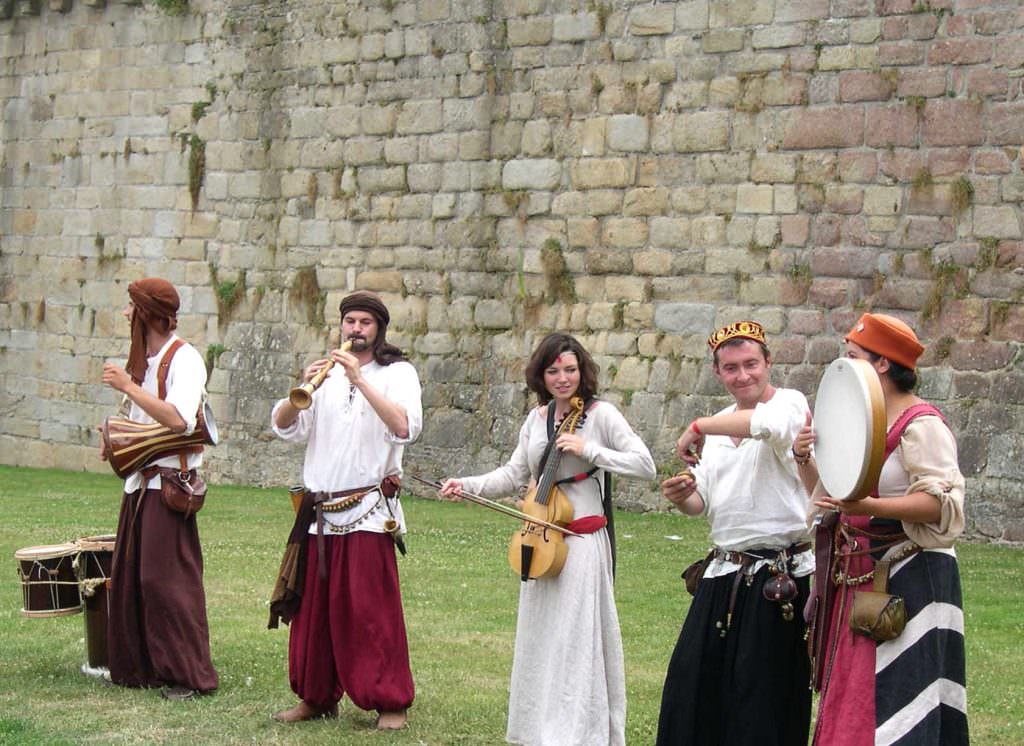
186 382
625 453
403 388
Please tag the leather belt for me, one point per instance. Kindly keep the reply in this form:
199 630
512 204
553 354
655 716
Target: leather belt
749 556
744 559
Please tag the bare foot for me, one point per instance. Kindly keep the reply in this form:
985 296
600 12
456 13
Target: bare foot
391 720
305 711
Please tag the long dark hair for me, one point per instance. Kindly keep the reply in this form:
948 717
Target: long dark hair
544 356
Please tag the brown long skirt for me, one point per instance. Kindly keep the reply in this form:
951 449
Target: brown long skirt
157 632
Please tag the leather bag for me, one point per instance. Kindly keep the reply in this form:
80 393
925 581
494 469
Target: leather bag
876 613
183 492
693 573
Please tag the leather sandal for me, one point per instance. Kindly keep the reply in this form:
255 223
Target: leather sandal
304 711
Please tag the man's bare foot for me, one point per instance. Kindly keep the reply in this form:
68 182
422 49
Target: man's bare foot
305 711
391 720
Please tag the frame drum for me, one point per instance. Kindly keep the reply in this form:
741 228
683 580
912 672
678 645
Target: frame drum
48 580
92 567
849 422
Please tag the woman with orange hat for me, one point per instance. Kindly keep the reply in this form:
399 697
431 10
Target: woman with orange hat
893 657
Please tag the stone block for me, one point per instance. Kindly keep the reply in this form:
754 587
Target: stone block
653 20
684 318
801 10
625 288
997 221
777 37
862 85
602 173
754 198
493 314
570 27
536 138
692 15
529 31
1005 124
533 173
883 201
953 122
645 201
624 233
825 127
701 132
385 179
628 132
420 117
633 374
731 13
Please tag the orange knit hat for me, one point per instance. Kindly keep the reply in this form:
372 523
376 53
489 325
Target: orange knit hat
887 336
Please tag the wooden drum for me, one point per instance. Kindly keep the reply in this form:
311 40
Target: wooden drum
93 570
48 582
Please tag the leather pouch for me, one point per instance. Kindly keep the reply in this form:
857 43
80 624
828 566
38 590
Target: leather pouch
183 492
876 613
693 573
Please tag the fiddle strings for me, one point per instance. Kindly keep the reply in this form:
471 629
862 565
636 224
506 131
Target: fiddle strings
480 500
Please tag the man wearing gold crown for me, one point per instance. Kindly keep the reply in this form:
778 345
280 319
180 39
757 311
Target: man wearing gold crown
157 632
739 671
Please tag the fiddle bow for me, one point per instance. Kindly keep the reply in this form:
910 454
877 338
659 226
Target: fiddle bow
505 509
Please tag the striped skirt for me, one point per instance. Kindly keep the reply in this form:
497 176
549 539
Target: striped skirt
910 690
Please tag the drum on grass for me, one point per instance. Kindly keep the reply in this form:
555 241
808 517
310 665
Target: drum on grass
48 582
92 568
849 422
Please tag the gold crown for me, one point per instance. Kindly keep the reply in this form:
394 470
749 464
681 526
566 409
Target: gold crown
740 329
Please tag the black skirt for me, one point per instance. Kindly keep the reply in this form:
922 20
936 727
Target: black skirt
750 686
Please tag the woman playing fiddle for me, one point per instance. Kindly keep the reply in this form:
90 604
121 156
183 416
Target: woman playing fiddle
568 680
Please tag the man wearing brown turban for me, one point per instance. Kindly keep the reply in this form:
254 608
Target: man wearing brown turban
157 632
339 581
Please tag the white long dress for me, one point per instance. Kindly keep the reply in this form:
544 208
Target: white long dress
568 679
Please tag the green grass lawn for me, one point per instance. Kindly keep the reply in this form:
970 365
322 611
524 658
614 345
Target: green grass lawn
460 602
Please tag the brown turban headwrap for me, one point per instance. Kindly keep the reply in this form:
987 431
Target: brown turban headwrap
156 307
364 300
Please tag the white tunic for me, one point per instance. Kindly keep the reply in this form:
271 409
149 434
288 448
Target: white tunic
753 496
349 444
186 382
568 678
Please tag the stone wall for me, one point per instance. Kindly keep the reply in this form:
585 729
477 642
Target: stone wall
635 173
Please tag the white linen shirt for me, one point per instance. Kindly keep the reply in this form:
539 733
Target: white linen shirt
186 382
349 446
753 496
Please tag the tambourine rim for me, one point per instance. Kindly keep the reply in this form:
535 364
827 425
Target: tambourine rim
874 443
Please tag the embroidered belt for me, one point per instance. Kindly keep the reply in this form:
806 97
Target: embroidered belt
335 502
